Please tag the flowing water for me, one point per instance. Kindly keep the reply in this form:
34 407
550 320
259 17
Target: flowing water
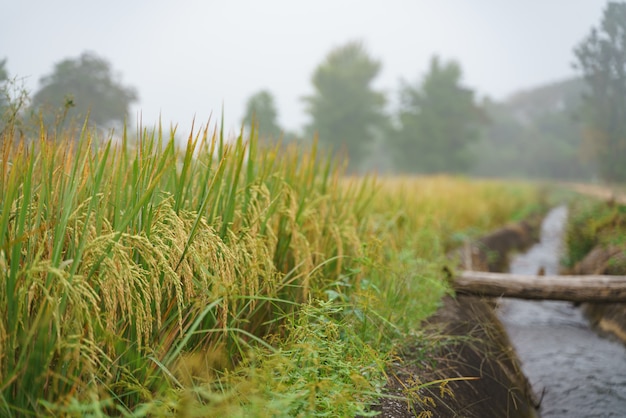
579 373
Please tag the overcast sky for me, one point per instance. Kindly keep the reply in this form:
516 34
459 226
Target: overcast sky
188 58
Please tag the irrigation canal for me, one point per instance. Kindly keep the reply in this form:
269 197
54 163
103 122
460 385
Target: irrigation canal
579 373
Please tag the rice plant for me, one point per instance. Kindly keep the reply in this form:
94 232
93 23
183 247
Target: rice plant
147 279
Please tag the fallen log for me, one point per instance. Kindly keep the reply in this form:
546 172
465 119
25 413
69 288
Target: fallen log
594 288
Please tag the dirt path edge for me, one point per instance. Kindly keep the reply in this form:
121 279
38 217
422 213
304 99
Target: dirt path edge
607 318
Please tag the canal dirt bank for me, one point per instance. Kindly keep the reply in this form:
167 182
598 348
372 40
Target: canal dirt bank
607 318
471 369
607 255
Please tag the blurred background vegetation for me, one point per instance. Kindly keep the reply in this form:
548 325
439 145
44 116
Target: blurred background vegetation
572 129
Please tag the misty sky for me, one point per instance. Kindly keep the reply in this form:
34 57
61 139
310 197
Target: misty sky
188 58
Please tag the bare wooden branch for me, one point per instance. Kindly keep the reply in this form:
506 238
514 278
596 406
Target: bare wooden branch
572 288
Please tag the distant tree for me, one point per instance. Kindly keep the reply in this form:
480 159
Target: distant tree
4 95
346 112
437 121
4 77
14 100
261 111
601 57
84 86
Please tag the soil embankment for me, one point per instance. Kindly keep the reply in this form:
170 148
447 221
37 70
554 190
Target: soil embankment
474 350
609 318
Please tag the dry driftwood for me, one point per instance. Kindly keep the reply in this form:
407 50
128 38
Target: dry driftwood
594 288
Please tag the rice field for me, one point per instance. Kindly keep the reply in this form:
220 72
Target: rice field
217 279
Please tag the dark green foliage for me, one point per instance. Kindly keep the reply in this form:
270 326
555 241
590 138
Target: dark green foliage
262 114
84 86
601 57
346 112
438 120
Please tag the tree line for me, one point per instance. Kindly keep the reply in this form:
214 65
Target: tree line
78 89
437 118
574 129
